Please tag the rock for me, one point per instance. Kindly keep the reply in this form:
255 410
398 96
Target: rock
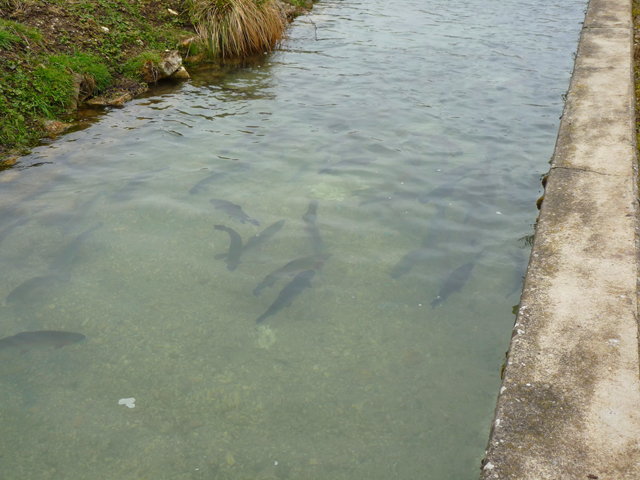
181 74
171 63
54 127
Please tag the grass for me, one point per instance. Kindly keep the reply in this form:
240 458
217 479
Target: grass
44 92
135 65
13 34
234 28
110 42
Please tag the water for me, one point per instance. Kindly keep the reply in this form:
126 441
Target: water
360 377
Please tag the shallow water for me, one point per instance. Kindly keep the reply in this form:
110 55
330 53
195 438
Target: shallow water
449 108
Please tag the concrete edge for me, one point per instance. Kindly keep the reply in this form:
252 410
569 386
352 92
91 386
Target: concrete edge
569 404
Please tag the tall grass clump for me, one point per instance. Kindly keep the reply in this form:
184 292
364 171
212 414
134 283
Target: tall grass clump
236 28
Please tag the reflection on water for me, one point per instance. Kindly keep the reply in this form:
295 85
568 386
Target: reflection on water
361 194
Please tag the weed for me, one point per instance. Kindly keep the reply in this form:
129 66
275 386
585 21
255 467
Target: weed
13 33
231 28
133 68
87 65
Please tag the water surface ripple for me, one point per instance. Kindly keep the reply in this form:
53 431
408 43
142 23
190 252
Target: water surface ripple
400 148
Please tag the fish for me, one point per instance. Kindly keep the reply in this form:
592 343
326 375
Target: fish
258 239
9 228
345 165
408 261
235 247
311 228
33 288
234 211
42 338
126 192
202 184
290 291
68 254
454 283
295 266
218 174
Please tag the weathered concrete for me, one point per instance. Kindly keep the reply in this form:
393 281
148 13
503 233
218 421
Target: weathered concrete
569 405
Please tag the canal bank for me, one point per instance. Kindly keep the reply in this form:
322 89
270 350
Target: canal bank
569 404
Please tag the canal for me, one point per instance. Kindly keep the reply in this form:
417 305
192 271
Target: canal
383 166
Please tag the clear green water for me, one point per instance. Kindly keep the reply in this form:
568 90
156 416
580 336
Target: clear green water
360 378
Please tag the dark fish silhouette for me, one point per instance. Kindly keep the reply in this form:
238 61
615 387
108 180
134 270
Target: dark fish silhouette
454 283
258 239
68 254
311 228
233 210
126 192
9 228
293 267
31 289
263 236
408 261
43 338
291 290
235 247
217 174
202 184
347 164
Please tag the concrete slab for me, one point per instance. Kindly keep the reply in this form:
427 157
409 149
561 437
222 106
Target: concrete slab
569 405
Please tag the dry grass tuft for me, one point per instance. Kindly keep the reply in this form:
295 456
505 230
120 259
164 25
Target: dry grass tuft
236 28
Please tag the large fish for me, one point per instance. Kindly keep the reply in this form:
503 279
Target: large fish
42 338
291 290
31 289
126 192
218 174
295 266
258 239
454 283
311 228
235 247
408 261
68 254
233 210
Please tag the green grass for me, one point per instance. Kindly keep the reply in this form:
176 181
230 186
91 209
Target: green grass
134 66
43 92
13 33
90 66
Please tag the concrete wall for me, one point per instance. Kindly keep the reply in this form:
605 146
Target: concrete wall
569 405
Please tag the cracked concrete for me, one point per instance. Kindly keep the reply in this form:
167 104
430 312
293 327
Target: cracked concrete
569 405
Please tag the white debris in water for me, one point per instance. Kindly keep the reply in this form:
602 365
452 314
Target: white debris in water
498 213
128 402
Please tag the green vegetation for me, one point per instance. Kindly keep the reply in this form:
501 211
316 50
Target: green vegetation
234 28
13 34
135 65
48 46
